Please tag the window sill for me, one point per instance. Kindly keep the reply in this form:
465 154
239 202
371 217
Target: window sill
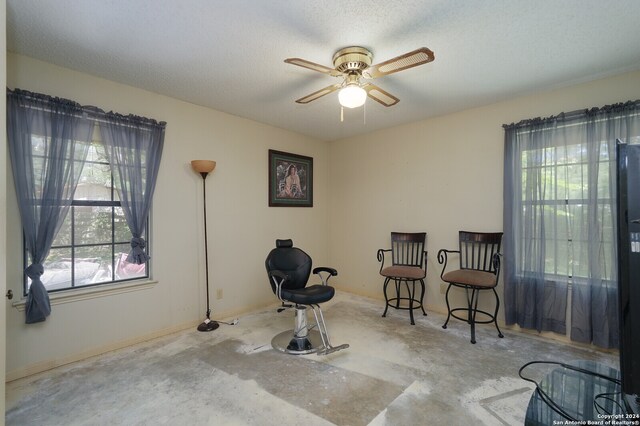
71 296
572 281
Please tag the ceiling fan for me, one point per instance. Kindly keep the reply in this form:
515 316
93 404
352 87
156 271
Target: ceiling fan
353 64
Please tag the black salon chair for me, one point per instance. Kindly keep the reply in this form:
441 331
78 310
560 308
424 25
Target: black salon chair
289 268
479 269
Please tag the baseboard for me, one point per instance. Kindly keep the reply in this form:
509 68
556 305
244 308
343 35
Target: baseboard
43 366
442 309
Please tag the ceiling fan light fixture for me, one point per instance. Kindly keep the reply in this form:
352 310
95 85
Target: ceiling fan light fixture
352 96
354 63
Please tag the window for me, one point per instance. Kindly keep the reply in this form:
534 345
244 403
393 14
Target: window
560 177
49 139
93 242
560 220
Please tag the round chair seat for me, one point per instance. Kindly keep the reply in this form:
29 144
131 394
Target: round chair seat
471 277
404 272
309 295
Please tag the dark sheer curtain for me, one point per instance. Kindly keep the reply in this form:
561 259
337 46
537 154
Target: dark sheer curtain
560 221
48 142
134 148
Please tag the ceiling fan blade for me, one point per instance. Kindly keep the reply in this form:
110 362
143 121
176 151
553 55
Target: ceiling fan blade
408 60
313 66
377 94
320 93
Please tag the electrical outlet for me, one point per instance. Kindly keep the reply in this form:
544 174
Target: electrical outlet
443 288
219 294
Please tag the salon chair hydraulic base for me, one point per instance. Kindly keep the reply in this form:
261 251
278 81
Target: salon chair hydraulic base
306 339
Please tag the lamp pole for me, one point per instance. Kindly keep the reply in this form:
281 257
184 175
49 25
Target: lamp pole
204 167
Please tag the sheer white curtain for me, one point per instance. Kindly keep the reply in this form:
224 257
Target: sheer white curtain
559 221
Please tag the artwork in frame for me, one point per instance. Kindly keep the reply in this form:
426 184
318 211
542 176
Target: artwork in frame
290 180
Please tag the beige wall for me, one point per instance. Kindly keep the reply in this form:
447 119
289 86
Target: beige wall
440 176
241 226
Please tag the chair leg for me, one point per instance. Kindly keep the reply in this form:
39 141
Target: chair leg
473 296
411 296
386 299
495 315
422 297
446 298
473 310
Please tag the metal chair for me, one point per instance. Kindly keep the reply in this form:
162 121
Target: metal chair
479 260
408 264
288 269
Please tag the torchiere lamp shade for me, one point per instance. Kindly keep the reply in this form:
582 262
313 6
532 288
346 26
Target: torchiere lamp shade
203 166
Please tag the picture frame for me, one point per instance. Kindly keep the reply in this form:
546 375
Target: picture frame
290 180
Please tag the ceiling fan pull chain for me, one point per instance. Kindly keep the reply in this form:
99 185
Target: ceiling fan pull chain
341 114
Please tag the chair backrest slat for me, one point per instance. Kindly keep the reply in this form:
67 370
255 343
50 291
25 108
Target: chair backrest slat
407 249
477 250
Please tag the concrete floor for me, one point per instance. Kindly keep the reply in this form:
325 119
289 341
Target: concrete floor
393 374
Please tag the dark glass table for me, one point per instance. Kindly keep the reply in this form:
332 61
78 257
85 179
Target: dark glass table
575 392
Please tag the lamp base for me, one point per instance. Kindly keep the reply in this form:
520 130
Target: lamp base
208 325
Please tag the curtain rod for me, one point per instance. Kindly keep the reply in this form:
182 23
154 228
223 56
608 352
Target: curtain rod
521 128
88 111
586 112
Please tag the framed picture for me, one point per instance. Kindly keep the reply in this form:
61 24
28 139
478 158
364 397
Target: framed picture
290 180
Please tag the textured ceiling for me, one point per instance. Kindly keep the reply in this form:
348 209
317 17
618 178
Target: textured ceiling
228 55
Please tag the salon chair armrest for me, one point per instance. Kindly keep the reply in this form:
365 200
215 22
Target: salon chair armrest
277 278
329 271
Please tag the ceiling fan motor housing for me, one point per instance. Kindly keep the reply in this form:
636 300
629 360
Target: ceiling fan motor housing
352 59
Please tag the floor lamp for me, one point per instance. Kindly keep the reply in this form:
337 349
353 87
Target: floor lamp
204 167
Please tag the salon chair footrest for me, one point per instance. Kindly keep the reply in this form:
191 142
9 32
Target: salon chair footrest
332 349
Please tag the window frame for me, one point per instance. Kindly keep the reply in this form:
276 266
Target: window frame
560 205
113 204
